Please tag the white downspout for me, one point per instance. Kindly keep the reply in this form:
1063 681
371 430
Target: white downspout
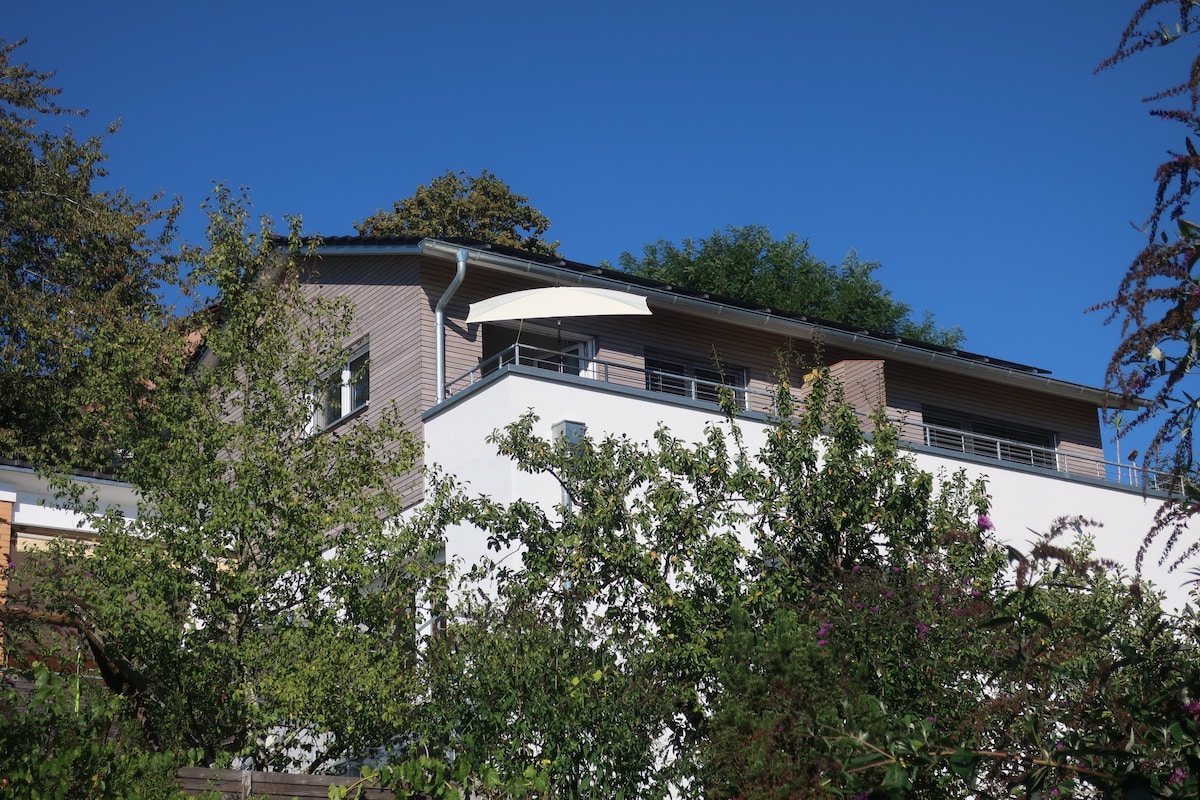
439 319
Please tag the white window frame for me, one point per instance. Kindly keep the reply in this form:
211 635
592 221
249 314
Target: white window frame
547 345
584 353
349 384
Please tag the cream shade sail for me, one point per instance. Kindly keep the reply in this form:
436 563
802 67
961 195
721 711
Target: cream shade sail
557 301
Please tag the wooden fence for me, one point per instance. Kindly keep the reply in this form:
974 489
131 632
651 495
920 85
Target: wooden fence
238 784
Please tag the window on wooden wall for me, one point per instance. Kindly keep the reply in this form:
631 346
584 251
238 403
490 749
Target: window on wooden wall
539 347
980 436
347 388
690 377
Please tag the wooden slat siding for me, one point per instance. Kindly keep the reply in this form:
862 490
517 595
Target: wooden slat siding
388 301
464 346
1075 423
909 386
862 384
620 339
696 339
236 784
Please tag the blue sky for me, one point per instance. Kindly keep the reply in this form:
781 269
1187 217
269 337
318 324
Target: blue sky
966 146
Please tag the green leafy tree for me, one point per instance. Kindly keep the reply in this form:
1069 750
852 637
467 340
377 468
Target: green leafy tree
748 264
815 617
593 666
261 605
1051 678
82 322
458 204
61 741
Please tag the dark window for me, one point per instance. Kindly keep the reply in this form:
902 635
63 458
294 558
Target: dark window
690 378
560 352
983 437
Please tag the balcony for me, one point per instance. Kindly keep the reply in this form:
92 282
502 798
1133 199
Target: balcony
703 386
698 388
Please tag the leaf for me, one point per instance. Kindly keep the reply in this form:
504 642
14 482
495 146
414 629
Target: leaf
1040 617
963 764
895 778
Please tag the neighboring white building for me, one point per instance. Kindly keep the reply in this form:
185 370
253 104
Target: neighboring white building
32 515
1038 440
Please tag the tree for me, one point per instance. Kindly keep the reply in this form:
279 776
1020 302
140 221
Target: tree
599 681
82 274
1053 679
62 739
813 618
457 204
261 607
1154 364
748 264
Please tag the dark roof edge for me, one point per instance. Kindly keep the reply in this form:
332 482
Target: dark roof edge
86 474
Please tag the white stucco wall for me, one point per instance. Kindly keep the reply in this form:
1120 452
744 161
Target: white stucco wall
35 504
1025 504
456 436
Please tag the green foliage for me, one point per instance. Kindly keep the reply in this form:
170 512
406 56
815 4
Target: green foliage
457 204
925 681
597 659
81 321
261 605
748 264
57 743
810 617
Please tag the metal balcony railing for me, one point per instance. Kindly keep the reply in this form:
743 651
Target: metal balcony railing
936 437
610 372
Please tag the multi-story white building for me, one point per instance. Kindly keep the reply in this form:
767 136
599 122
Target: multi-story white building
1037 439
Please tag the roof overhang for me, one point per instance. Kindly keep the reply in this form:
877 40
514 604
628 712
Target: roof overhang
662 296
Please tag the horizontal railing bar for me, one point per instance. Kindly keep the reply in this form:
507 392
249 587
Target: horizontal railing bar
757 400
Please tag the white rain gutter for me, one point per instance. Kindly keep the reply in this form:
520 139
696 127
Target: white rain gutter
439 322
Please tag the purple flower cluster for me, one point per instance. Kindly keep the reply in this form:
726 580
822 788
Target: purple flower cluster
985 523
823 633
